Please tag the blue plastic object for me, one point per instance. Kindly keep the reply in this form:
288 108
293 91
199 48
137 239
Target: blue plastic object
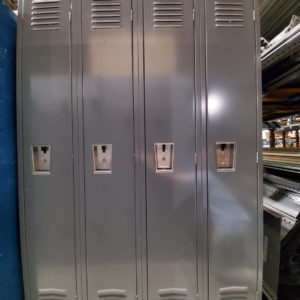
10 268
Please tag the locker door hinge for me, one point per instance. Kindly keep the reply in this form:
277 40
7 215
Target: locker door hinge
131 15
257 157
70 15
193 14
254 15
134 158
196 159
257 295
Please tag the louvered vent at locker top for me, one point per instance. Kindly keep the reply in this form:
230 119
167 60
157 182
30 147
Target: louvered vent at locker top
229 13
45 14
168 14
105 14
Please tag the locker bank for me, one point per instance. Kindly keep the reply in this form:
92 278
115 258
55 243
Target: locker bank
139 142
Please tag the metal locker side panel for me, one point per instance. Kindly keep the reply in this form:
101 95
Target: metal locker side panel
108 119
47 120
232 117
170 118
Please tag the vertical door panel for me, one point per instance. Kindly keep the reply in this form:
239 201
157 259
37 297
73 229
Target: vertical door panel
47 120
108 119
232 196
170 118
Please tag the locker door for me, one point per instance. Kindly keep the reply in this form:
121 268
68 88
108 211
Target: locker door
170 148
232 117
109 148
47 150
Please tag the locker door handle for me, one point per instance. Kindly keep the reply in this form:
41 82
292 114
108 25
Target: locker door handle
111 293
172 292
233 290
52 292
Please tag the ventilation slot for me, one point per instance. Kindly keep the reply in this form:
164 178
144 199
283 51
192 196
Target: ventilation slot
52 294
234 292
167 14
45 15
229 14
105 14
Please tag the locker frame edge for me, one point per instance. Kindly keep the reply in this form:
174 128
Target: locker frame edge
201 148
21 200
140 147
78 148
260 224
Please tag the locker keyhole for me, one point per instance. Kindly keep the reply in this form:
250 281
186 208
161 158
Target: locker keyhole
226 156
44 149
41 156
164 153
102 158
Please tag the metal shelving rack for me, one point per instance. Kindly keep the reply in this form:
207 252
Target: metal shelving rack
281 90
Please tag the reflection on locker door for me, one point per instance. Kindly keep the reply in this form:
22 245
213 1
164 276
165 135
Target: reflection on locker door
109 148
170 147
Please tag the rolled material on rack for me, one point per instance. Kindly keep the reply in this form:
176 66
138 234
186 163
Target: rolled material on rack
283 158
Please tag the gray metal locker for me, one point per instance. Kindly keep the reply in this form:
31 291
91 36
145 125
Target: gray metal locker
46 168
108 135
170 119
139 129
232 117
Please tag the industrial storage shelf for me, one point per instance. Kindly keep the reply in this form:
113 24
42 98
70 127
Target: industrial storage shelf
282 158
281 73
280 29
282 49
281 203
275 15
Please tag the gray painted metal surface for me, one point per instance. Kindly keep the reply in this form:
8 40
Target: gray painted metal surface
170 118
108 119
232 197
138 78
46 119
